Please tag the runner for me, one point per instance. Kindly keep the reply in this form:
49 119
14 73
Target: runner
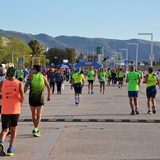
151 81
109 75
78 83
102 76
51 78
12 99
121 77
140 72
91 76
59 81
20 75
158 74
133 79
2 78
37 82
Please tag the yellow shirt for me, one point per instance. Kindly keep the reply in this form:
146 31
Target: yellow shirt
78 78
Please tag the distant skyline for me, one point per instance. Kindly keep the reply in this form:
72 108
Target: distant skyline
113 19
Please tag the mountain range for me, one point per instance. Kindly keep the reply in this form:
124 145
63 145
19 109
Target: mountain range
88 45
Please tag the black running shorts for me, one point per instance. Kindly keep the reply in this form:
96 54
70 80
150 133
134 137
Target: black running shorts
9 120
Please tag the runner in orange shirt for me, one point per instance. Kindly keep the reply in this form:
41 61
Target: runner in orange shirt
12 99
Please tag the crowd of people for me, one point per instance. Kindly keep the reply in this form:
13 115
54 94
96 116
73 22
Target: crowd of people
15 83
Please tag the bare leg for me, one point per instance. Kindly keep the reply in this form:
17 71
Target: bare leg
149 104
36 115
4 134
13 135
136 102
131 103
153 102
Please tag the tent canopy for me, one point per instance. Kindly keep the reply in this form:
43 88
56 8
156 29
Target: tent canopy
65 65
84 63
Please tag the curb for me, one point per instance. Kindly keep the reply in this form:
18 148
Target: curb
97 120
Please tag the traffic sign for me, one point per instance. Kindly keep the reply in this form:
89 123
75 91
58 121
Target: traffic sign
21 60
52 64
126 62
151 56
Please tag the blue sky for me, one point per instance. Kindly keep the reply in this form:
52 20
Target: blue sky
114 19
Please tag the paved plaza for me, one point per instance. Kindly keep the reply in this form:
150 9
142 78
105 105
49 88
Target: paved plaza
100 129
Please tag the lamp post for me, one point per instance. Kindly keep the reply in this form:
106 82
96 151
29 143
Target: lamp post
149 34
13 57
125 49
135 44
119 53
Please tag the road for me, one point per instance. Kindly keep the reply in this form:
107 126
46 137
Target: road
100 129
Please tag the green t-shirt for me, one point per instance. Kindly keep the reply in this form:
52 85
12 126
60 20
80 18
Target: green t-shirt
109 74
140 72
152 80
102 76
133 78
90 74
78 78
20 74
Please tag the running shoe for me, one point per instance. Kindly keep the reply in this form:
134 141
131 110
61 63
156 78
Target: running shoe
136 111
10 151
154 109
132 113
36 133
89 92
149 112
77 104
92 92
2 152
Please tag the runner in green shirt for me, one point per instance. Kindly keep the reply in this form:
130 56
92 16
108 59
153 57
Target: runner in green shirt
91 76
133 79
20 75
102 76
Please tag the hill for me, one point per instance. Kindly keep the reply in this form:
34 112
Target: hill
83 44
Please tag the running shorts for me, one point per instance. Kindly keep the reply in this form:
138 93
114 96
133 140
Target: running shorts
132 93
151 92
9 120
120 79
102 82
78 88
90 81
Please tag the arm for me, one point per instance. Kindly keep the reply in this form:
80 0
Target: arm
158 81
48 88
21 90
1 86
28 83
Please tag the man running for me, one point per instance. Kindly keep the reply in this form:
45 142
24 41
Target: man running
133 79
121 77
151 81
78 83
37 82
109 75
2 78
12 99
91 76
102 76
20 75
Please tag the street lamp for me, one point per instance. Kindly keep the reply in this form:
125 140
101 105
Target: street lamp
135 44
119 53
149 34
125 49
13 56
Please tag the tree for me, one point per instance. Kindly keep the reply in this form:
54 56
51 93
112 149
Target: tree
56 55
16 47
38 56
